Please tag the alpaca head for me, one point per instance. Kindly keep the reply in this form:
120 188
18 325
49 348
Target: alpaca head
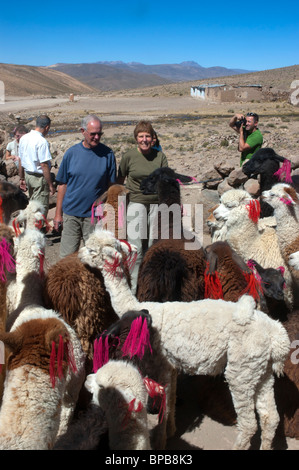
30 217
230 203
120 376
281 196
149 185
264 161
272 280
103 251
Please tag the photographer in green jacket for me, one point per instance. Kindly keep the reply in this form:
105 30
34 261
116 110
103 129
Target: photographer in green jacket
250 137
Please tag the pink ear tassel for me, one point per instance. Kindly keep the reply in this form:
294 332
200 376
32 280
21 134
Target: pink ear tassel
286 201
100 353
285 172
137 340
7 262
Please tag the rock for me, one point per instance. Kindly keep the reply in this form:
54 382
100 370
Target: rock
253 187
211 174
237 178
295 161
224 167
223 187
11 169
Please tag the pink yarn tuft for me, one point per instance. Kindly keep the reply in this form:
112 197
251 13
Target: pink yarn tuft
96 211
100 353
137 340
284 173
7 262
286 201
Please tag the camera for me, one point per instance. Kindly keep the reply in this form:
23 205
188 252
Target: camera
240 122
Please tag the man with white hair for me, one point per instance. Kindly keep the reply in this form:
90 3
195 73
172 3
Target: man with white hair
86 171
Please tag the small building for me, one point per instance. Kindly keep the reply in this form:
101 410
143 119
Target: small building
227 93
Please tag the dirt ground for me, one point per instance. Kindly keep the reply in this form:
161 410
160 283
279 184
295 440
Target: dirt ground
194 135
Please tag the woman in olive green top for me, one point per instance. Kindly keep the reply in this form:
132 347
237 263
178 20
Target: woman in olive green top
135 165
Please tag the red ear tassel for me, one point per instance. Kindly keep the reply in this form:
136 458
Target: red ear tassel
156 391
137 340
60 356
254 210
253 286
213 287
16 227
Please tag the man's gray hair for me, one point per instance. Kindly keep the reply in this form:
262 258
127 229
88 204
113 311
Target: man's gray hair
43 121
89 118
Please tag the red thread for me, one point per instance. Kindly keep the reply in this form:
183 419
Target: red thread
156 391
100 353
52 364
254 210
253 286
213 287
16 227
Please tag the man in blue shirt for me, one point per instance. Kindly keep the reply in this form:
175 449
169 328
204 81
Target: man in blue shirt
86 171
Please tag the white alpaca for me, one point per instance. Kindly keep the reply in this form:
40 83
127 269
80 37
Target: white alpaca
118 389
24 373
205 337
247 238
34 412
285 202
31 217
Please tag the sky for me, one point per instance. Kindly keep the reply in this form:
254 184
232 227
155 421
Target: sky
244 35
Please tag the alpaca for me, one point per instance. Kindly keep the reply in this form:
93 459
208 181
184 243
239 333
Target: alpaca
173 267
7 266
31 217
12 199
25 289
285 202
77 291
229 277
240 212
37 406
266 163
110 209
195 350
119 390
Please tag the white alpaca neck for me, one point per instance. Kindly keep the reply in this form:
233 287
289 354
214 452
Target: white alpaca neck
121 296
287 226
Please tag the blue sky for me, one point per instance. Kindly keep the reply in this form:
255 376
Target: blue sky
235 34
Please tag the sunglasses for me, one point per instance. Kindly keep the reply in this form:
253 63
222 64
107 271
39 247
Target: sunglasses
253 115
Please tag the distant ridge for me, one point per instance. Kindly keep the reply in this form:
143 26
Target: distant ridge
25 80
118 75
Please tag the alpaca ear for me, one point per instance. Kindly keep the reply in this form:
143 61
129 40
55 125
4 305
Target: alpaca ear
54 335
184 178
291 196
13 341
91 383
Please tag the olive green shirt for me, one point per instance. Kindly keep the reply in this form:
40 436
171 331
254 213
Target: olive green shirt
255 140
135 167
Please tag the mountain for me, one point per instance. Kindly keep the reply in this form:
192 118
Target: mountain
25 80
118 75
110 77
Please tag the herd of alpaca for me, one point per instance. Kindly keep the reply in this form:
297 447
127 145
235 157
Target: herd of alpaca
198 303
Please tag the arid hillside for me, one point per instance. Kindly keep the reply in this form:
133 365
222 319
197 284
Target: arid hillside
23 80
